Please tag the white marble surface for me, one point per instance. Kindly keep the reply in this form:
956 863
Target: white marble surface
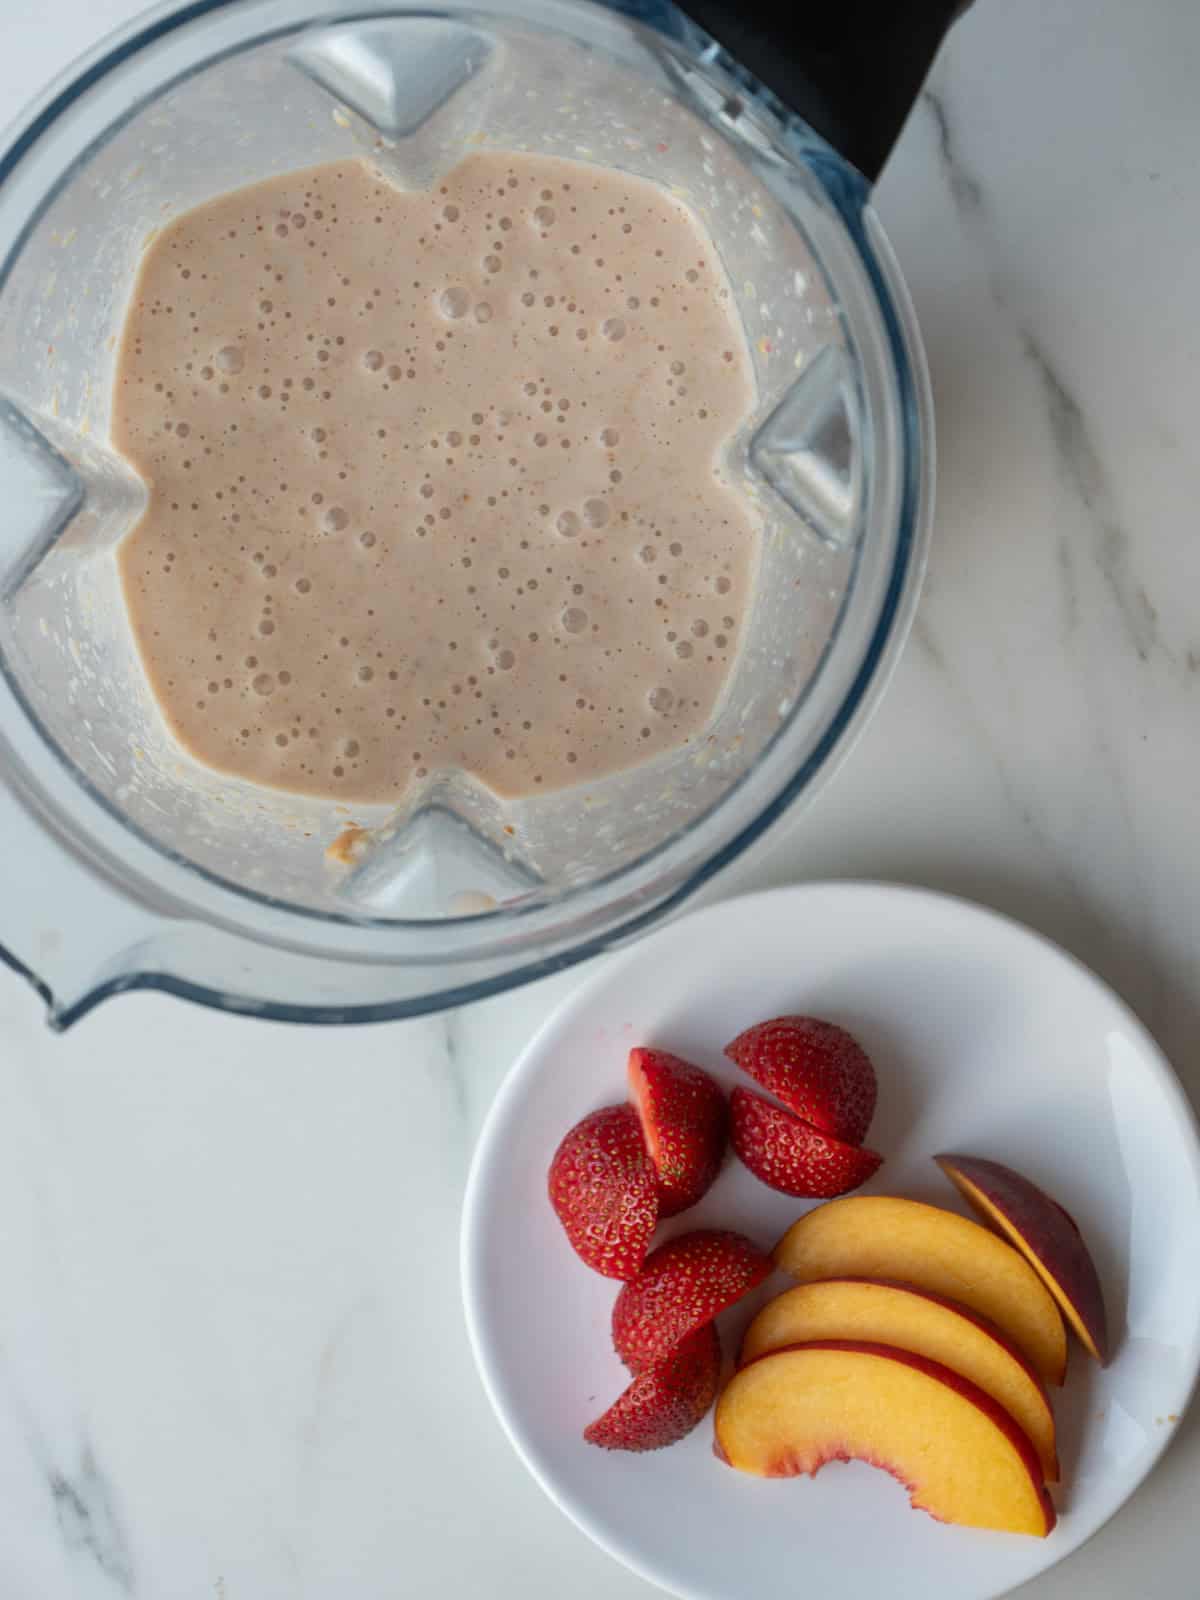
232 1361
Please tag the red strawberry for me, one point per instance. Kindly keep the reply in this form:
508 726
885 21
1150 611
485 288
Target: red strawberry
604 1189
665 1403
685 1121
683 1285
791 1155
815 1068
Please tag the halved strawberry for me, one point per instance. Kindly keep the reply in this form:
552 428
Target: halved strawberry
604 1188
791 1155
817 1069
683 1285
663 1404
685 1122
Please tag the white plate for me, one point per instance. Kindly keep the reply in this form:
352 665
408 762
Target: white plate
987 1040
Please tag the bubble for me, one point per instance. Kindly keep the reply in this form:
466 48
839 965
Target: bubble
568 524
427 491
527 299
230 359
483 312
266 627
722 586
335 519
454 303
530 388
699 628
574 619
281 230
365 674
281 740
266 307
264 684
675 547
647 555
613 328
207 373
285 678
662 701
302 586
367 540
633 302
595 513
678 368
450 213
684 650
540 440
182 430
492 264
506 660
454 439
319 436
615 475
544 216
610 438
692 275
350 748
373 360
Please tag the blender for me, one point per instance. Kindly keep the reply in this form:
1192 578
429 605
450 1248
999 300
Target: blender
128 866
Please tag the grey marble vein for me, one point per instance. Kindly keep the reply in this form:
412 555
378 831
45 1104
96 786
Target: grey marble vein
87 1519
1086 474
965 189
1068 584
1072 884
1081 462
452 1042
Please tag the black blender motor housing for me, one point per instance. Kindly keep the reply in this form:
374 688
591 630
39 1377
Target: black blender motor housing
852 70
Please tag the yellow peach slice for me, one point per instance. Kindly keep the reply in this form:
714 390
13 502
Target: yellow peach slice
904 1241
914 1320
960 1455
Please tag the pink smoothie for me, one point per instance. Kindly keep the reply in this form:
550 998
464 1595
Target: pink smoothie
435 478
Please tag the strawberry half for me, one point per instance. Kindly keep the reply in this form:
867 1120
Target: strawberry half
816 1068
791 1155
685 1122
665 1403
604 1189
683 1285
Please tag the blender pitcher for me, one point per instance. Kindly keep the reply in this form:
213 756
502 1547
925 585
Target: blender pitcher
128 865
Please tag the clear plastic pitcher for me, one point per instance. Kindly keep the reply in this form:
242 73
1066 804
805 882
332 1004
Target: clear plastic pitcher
127 865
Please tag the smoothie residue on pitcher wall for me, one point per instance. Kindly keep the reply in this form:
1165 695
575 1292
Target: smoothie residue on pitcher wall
435 478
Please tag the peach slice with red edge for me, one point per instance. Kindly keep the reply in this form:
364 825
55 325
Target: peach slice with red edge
915 1320
905 1241
957 1451
1044 1233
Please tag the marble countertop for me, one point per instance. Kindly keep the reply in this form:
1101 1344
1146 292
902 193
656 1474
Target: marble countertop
232 1358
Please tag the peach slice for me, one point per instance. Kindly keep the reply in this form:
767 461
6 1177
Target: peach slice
960 1455
925 1324
876 1236
1044 1233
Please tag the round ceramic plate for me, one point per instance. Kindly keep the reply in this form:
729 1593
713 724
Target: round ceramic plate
986 1040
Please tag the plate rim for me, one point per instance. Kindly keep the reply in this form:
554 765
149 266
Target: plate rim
610 970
